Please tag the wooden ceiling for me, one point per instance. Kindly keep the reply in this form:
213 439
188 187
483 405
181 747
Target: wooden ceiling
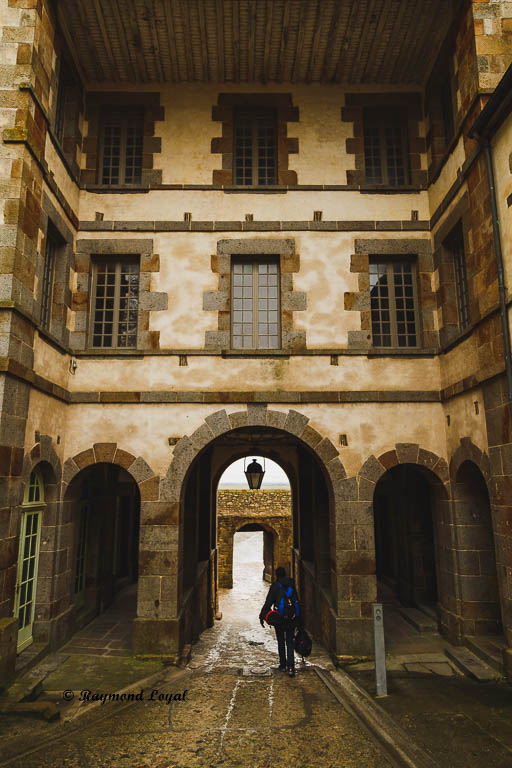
245 41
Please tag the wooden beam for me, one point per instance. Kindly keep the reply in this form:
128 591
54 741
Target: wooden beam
108 47
329 47
370 65
71 44
343 51
269 5
150 12
236 41
137 41
251 38
281 56
219 14
316 41
131 62
363 45
185 23
300 40
391 50
410 29
171 34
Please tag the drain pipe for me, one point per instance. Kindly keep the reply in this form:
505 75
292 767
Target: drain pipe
499 264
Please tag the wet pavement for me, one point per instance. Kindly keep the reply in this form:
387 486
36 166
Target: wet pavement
230 707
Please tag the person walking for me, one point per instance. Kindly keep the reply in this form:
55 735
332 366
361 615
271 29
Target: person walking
283 596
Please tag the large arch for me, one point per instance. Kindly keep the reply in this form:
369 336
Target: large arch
191 586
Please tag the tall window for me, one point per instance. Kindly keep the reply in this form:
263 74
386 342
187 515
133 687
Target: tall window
255 305
121 147
394 305
447 109
385 147
255 147
115 303
48 278
66 95
454 243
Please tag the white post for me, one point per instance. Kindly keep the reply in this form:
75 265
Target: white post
380 651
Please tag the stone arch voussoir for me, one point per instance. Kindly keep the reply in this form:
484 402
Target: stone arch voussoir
468 451
403 453
253 415
44 453
109 453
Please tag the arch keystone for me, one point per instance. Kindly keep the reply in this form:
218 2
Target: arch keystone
256 415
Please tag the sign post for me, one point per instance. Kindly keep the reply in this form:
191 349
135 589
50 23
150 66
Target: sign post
380 651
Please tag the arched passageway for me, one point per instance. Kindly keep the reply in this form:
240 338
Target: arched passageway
103 509
405 535
312 522
476 558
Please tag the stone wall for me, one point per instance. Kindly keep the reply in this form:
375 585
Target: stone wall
269 511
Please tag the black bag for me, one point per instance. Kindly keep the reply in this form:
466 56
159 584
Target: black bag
302 643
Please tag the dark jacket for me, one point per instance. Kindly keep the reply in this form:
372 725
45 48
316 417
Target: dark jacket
273 598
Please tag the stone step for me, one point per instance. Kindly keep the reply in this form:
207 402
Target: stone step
470 664
26 688
417 619
488 649
429 610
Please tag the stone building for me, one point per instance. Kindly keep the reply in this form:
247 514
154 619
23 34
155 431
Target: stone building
166 166
269 511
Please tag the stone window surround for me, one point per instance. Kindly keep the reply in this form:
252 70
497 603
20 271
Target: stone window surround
359 301
61 298
149 301
443 262
353 112
220 300
223 112
96 102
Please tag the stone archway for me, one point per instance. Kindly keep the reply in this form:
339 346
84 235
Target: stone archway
358 528
108 497
188 605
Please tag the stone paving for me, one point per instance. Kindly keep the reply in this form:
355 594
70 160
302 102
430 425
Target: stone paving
238 709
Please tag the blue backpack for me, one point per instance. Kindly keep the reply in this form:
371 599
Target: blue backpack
288 603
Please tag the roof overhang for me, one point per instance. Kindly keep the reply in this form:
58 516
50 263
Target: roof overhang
353 42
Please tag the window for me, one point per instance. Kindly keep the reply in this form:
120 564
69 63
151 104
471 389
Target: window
121 147
385 147
454 243
255 305
255 147
66 95
115 303
394 304
48 278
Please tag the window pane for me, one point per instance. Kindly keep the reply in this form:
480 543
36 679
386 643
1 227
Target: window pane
48 277
116 303
372 158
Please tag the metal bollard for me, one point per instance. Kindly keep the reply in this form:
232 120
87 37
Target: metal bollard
380 651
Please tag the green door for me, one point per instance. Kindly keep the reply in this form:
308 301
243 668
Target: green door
28 558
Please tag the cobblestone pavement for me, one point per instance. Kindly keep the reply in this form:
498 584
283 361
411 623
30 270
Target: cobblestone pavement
239 710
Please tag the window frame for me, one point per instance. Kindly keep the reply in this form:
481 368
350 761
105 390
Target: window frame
381 119
126 114
252 114
454 244
255 262
52 246
118 261
389 262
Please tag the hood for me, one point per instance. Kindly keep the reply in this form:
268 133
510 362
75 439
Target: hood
286 581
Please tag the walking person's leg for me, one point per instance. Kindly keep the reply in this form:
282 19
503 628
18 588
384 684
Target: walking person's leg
281 647
290 653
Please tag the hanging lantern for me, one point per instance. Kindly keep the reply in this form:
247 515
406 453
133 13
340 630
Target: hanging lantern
254 474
